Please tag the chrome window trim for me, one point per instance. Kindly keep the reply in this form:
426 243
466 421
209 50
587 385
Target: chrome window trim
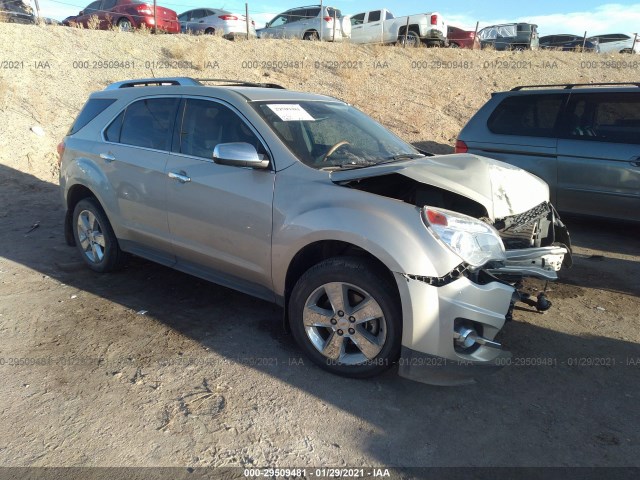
186 97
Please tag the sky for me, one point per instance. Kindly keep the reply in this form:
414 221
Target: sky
551 16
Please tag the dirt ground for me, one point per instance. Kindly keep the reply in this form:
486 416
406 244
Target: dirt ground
150 367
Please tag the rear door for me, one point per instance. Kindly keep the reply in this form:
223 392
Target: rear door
219 215
522 131
297 24
373 27
599 156
106 15
134 155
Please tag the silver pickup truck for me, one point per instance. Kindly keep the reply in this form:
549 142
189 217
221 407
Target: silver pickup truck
380 26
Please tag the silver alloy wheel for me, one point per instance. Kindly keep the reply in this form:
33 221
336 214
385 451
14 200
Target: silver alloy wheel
90 236
344 323
125 25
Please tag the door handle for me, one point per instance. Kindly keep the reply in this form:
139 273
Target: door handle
107 157
180 176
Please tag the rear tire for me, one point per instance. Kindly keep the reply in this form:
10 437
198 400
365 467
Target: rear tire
95 238
412 40
124 24
313 36
210 31
345 316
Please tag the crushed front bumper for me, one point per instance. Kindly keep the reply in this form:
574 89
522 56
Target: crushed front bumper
431 316
446 312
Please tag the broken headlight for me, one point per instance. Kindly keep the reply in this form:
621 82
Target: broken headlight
472 240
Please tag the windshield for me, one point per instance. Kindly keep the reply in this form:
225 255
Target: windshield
333 134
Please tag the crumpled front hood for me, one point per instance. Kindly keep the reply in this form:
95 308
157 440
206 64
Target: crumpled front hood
501 188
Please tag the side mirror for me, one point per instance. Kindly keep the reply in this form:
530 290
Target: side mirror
238 154
80 13
267 25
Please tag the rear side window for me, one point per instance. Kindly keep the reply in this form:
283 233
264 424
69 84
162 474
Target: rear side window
604 117
374 16
91 109
527 115
146 123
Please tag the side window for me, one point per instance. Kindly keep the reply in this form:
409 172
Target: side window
183 17
92 8
374 16
527 115
205 124
91 109
389 16
108 4
297 15
313 12
278 21
604 117
357 19
148 123
112 132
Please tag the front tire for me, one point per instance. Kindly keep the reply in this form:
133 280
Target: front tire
345 316
95 238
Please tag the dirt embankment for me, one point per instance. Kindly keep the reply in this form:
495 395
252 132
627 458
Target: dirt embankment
424 95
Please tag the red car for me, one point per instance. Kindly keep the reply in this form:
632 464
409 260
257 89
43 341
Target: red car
127 15
459 38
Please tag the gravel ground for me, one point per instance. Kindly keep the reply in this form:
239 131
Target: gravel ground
150 367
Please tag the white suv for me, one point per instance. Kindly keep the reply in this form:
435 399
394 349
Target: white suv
308 23
618 42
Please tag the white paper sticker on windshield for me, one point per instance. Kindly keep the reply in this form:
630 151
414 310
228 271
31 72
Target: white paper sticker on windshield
290 112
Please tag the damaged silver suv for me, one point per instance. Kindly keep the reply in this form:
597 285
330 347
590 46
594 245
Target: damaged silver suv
378 253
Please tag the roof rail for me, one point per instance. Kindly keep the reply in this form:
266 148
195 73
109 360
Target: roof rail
240 83
569 86
155 82
185 82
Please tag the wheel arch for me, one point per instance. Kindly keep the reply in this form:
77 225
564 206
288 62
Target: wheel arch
75 193
316 252
311 31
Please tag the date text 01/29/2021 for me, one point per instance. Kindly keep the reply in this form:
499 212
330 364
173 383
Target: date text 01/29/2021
317 472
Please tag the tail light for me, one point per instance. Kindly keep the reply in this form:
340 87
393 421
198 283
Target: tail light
434 19
145 9
461 147
61 147
228 17
328 19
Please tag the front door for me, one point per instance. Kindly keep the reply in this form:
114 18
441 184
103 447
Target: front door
219 216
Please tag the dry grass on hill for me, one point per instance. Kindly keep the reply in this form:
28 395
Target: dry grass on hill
424 95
